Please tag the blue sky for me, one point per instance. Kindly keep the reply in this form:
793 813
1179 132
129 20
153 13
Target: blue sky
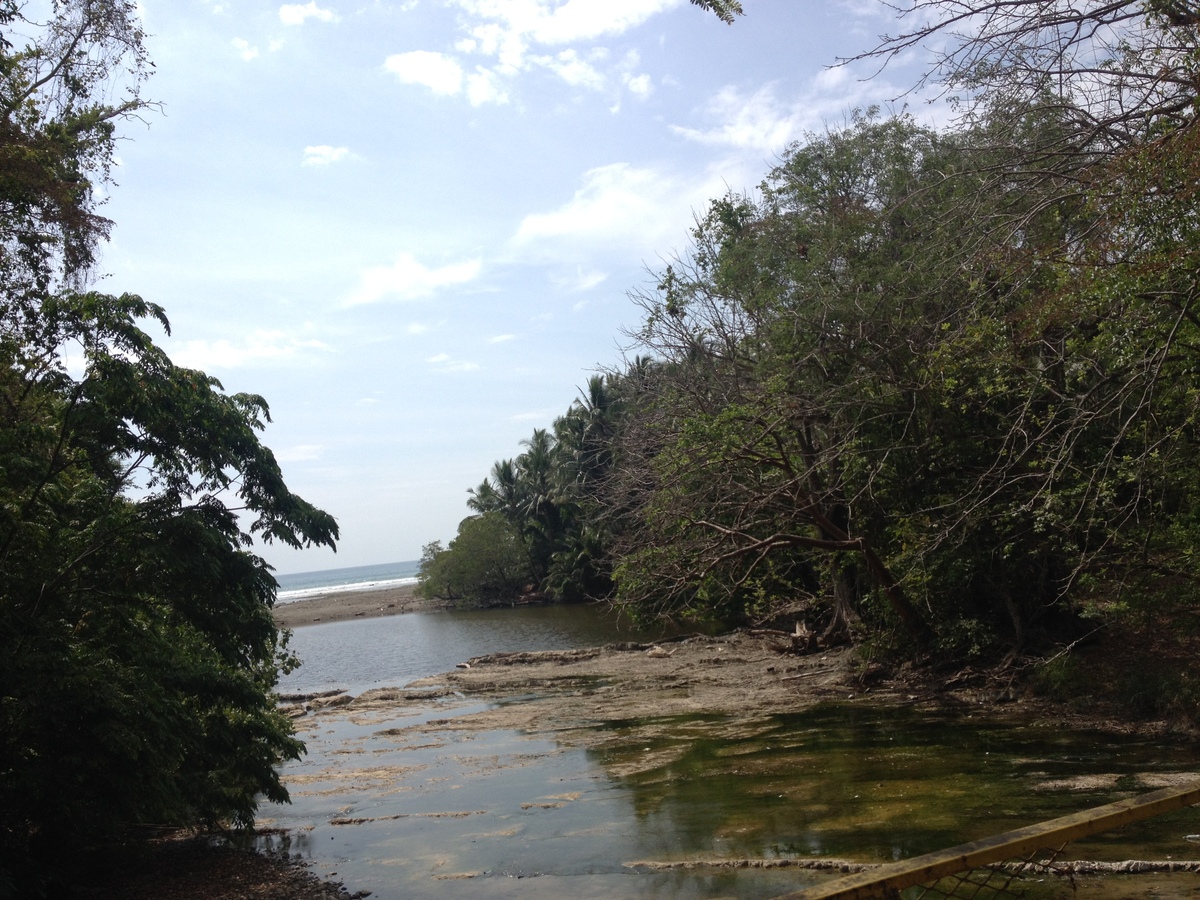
412 226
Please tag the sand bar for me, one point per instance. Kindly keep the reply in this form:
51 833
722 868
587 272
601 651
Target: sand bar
350 605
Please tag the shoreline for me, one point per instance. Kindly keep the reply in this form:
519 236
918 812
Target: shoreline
353 605
747 676
639 709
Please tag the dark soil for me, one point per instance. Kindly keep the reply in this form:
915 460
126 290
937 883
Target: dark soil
184 865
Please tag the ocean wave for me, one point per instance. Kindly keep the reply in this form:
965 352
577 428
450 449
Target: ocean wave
381 584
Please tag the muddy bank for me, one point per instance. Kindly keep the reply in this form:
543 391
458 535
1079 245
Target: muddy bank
689 732
734 682
182 865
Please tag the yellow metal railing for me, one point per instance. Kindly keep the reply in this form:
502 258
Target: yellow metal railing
989 867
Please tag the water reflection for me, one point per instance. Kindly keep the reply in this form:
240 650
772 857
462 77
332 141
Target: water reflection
405 803
395 650
867 784
440 813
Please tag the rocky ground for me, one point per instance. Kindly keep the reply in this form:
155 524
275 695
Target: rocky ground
567 691
748 674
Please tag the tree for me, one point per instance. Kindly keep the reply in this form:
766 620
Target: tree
1117 71
486 563
725 10
137 650
57 127
550 492
777 331
139 653
871 396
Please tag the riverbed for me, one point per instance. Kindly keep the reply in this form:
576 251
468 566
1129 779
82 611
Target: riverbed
714 767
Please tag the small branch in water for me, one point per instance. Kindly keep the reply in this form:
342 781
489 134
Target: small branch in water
1071 646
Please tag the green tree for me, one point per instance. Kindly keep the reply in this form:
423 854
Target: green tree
784 334
486 563
548 493
137 650
61 97
872 393
725 10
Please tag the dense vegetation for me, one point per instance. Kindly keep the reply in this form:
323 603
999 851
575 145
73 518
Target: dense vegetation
933 388
137 649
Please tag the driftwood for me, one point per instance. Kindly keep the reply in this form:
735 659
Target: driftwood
806 674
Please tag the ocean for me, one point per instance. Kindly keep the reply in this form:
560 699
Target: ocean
302 585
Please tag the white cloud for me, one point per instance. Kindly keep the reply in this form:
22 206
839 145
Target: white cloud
618 205
504 31
622 211
501 338
441 74
757 121
638 84
444 75
573 69
564 23
764 123
300 453
484 87
444 363
296 14
324 155
262 347
408 279
417 328
579 282
245 49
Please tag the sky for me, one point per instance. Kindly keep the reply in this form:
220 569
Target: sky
414 226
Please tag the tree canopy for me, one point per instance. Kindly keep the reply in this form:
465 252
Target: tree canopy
137 649
931 387
725 10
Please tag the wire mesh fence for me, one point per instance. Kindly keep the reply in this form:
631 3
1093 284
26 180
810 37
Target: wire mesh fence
1028 862
1000 881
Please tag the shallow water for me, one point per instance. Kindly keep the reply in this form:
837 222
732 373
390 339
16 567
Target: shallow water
394 650
441 812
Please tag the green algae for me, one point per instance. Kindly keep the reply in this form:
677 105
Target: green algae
692 806
850 781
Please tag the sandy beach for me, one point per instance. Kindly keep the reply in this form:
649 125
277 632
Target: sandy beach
352 604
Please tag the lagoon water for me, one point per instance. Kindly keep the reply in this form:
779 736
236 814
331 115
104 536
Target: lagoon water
394 650
441 813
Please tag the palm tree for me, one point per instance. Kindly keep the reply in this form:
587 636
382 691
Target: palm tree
484 498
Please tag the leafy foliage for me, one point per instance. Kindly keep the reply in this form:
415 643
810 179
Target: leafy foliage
137 649
486 563
937 387
549 498
725 10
